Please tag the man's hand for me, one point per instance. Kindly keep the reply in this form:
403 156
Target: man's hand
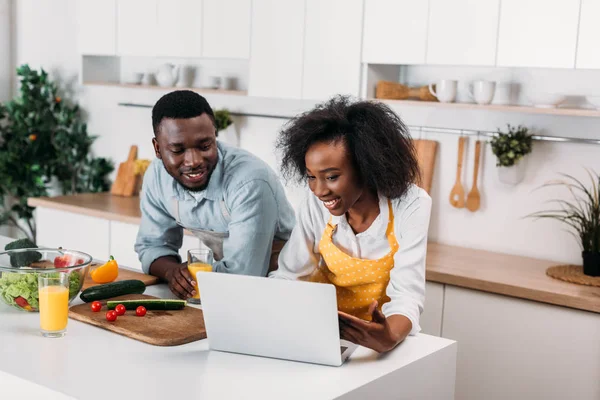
176 274
380 334
181 282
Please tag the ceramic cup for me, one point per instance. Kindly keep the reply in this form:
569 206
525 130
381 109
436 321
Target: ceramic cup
482 92
445 90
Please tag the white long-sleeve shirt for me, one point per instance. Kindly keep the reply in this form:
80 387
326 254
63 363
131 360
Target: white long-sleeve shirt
406 289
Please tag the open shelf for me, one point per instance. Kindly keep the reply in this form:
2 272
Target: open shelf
573 112
198 90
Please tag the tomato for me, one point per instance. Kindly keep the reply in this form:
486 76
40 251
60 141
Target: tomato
111 316
96 306
120 309
140 311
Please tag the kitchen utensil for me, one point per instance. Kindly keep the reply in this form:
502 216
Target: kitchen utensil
426 151
457 194
159 328
19 270
148 79
445 90
126 181
398 91
124 274
473 198
482 92
167 74
546 100
215 82
186 76
135 78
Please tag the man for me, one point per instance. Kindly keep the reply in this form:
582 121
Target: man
227 197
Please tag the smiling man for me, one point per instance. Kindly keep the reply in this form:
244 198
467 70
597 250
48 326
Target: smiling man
230 199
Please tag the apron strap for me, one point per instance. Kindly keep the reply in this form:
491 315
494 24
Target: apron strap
175 205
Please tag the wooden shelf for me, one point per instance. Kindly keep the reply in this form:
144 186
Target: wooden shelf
573 112
156 87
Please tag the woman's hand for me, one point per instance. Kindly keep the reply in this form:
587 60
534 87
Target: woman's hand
381 334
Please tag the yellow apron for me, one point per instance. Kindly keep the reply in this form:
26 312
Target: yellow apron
357 281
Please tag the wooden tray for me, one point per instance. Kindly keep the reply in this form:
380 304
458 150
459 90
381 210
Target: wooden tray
159 328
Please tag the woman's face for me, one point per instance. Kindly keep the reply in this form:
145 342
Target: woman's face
332 177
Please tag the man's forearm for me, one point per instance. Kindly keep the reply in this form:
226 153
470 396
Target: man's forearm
162 265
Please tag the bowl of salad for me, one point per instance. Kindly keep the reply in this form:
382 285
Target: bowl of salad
20 268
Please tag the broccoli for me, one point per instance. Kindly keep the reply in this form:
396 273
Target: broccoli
25 258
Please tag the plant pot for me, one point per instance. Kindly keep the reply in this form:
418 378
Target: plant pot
591 263
514 174
229 136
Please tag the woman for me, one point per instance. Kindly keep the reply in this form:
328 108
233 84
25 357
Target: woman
364 227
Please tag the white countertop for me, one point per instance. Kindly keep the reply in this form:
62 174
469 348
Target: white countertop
91 363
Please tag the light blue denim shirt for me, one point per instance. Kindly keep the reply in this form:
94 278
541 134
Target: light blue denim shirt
254 199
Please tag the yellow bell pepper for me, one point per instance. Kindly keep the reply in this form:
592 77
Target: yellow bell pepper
106 273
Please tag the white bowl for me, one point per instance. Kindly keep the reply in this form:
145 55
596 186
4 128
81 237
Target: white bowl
546 100
594 100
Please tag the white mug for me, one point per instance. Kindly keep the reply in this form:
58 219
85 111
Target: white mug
445 90
482 92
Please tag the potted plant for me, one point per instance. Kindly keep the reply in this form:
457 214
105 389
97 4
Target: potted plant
510 149
581 215
225 129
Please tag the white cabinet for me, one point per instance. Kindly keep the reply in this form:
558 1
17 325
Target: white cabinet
97 27
137 22
538 33
462 32
226 29
395 31
277 48
588 55
332 48
179 30
517 349
72 231
431 318
122 242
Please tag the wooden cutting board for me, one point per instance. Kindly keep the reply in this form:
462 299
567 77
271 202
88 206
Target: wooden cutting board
159 328
426 151
124 274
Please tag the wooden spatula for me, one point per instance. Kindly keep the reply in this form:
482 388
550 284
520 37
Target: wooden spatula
457 194
473 198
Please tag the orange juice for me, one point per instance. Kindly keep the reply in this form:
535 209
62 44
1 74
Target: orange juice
54 308
198 267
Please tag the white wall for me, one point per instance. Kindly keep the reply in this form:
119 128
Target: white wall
498 225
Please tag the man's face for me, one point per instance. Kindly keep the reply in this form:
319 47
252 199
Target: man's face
188 150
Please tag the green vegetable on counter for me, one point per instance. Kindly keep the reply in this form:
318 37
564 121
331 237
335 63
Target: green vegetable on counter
149 304
113 289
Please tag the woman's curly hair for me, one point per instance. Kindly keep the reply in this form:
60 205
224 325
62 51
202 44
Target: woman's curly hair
378 142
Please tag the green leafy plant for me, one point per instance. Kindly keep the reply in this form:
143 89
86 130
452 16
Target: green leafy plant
43 137
581 214
509 147
222 119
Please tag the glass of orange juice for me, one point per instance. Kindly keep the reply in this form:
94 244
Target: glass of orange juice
199 260
54 303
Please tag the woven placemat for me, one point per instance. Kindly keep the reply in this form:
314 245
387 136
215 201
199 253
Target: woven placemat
573 274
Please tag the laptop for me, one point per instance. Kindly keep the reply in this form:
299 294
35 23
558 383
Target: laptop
277 318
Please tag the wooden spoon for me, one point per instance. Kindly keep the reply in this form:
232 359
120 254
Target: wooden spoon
457 194
473 198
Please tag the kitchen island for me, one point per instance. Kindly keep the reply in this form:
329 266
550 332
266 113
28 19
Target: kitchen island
92 363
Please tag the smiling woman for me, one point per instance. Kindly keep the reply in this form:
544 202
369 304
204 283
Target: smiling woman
364 227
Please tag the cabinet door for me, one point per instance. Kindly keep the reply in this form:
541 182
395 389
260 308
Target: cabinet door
122 242
332 48
97 27
137 22
226 29
431 318
72 231
462 32
538 33
395 31
510 348
277 48
588 55
179 31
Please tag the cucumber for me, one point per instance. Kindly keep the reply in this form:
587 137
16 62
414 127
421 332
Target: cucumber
150 304
113 289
